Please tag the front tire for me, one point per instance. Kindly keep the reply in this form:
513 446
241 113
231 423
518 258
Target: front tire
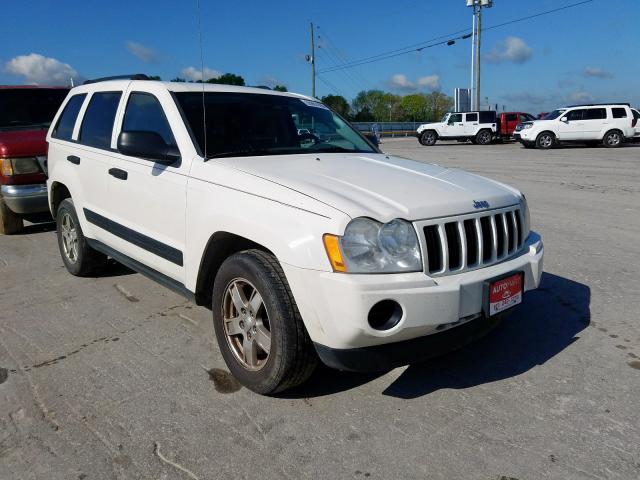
10 222
428 138
545 140
612 139
258 326
79 258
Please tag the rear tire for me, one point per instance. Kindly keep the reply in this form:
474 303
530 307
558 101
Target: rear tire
259 329
80 259
10 222
428 138
483 137
613 139
545 140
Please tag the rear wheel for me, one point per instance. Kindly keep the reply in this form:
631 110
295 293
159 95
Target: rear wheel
483 137
258 327
428 138
612 139
9 222
545 140
79 258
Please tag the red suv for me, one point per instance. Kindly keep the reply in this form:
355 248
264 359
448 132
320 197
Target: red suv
25 115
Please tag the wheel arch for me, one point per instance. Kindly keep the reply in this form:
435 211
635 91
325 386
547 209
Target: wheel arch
607 132
221 245
58 193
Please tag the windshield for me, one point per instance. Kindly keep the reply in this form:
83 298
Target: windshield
555 114
444 119
244 124
29 107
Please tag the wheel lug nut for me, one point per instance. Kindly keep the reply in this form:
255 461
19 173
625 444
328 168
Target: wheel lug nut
241 324
255 329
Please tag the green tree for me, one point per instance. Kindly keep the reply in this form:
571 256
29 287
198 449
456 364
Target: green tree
337 103
178 79
280 88
154 77
438 104
228 79
415 107
383 106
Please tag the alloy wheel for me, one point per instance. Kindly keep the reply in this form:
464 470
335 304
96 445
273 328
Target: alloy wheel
613 139
246 324
69 234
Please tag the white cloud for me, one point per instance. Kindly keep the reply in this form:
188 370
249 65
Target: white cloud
580 96
195 74
596 72
400 82
142 53
38 69
511 49
430 82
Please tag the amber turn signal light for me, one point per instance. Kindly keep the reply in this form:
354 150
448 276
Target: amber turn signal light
332 246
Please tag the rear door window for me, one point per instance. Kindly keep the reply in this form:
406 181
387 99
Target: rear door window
595 114
97 124
619 112
472 117
144 113
67 120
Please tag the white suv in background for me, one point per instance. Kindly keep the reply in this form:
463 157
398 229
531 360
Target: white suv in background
303 249
479 127
609 124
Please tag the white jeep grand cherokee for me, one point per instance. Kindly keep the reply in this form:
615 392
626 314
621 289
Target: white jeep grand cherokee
303 249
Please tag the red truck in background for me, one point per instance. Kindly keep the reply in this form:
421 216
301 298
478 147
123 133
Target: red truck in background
507 121
25 115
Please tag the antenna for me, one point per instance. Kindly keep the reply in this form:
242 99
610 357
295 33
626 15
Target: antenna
204 111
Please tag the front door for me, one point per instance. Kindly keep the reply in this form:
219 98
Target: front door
454 126
571 125
149 198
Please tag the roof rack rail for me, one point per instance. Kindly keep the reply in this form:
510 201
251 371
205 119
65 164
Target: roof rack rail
598 104
135 76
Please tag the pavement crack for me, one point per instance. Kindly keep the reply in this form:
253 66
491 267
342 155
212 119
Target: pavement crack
156 451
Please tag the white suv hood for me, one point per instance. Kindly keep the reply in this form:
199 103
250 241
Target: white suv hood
378 186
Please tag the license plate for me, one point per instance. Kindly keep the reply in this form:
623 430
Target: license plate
504 293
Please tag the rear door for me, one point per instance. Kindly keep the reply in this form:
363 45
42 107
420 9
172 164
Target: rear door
149 198
470 124
595 121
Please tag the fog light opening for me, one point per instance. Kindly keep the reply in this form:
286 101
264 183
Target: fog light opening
385 315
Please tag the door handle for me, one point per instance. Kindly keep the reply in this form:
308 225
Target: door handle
73 159
119 174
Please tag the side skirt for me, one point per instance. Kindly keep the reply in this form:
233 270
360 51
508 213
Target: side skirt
148 272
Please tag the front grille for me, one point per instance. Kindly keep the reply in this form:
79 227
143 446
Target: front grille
472 241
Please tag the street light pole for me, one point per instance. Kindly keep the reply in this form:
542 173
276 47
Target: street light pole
477 6
313 64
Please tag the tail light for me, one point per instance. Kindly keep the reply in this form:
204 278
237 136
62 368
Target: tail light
21 171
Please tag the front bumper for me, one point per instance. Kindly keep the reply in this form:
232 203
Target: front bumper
25 199
335 306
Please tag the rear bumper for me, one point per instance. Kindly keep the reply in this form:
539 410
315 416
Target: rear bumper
25 199
417 350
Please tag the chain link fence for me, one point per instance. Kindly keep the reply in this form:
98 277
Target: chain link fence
388 129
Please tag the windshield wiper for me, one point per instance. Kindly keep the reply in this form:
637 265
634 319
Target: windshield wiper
249 152
333 148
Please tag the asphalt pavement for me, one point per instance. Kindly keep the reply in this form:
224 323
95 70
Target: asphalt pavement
117 377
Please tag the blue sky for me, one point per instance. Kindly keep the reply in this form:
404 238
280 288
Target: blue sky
586 53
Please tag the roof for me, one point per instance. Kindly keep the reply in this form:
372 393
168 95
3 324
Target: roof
181 87
622 104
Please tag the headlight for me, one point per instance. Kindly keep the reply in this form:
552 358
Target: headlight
528 125
524 208
368 246
19 166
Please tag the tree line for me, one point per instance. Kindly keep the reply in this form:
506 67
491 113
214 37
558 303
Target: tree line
368 105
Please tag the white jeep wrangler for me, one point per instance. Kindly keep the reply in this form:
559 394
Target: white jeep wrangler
303 249
479 127
608 124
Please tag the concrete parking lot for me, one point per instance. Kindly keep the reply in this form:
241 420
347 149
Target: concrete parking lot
117 377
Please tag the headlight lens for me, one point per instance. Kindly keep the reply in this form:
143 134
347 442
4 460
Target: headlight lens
368 246
19 166
528 125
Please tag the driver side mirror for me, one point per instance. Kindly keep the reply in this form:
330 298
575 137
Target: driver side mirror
565 119
148 145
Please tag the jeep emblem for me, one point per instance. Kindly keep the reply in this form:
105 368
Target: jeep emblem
481 204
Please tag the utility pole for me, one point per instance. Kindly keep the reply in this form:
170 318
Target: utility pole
477 6
311 58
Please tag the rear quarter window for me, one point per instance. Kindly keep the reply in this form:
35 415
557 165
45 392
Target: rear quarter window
487 117
595 114
619 112
97 123
67 120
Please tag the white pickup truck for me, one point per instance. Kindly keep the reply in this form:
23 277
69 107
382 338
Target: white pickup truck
479 127
304 250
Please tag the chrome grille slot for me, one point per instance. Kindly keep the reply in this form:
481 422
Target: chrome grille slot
458 244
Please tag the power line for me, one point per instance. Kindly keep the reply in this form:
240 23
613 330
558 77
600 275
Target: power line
417 47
